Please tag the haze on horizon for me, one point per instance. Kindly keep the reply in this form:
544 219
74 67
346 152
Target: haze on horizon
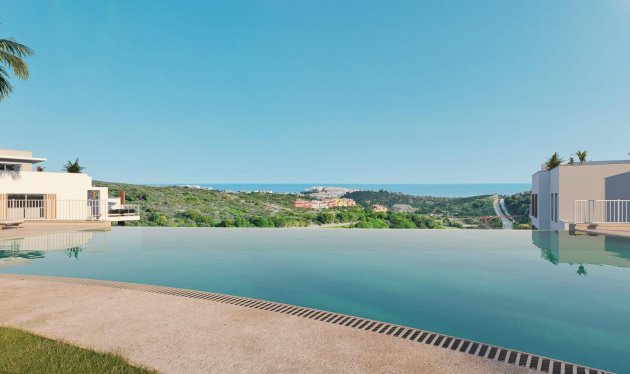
295 91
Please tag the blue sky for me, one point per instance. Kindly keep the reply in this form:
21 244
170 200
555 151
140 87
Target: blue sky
319 91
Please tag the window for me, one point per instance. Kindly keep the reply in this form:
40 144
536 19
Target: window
534 208
21 206
25 197
10 167
554 207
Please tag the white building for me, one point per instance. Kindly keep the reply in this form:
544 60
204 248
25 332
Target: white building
593 193
40 195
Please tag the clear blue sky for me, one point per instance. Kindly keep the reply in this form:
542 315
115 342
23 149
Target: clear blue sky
319 91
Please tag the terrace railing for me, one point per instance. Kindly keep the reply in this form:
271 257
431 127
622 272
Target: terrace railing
601 211
79 210
125 210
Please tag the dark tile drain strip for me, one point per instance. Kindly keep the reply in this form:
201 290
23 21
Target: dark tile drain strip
539 363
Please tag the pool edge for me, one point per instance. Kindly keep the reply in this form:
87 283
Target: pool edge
487 351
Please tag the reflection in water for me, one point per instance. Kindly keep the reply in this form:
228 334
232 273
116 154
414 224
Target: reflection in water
581 270
29 255
74 252
31 248
582 249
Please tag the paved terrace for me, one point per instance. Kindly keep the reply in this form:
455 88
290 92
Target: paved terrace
609 229
184 331
41 228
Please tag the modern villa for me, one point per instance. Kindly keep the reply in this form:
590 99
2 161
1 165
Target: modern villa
38 195
595 193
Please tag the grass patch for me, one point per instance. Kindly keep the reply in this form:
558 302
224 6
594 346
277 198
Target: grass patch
23 352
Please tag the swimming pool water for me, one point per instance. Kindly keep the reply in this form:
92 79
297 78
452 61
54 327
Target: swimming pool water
552 294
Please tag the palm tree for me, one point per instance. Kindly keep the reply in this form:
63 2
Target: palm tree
554 161
11 58
581 156
73 167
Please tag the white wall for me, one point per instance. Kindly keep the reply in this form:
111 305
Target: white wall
25 166
591 182
540 185
577 182
71 190
67 186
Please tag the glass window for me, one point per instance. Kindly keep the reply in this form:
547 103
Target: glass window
10 167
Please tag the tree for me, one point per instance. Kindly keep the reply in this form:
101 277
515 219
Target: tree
12 56
73 167
554 161
581 156
326 218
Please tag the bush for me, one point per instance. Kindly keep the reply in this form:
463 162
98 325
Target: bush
423 221
228 222
261 222
372 223
399 221
198 218
326 217
157 219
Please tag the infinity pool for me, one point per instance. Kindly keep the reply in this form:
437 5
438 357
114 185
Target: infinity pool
557 295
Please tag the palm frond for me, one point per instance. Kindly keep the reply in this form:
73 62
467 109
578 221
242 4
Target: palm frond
554 161
581 156
13 47
73 167
5 86
12 61
11 54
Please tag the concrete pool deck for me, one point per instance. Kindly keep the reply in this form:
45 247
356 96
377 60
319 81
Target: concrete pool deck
42 228
183 331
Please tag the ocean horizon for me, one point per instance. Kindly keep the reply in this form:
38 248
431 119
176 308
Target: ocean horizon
420 189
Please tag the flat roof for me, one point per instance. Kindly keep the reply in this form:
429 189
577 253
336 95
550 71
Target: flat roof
585 163
14 158
603 162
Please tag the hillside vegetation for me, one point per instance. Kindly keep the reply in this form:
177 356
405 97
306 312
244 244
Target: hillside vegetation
187 206
518 206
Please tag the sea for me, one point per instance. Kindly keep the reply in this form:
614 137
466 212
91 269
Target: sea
437 190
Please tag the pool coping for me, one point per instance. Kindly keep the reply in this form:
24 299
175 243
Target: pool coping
487 351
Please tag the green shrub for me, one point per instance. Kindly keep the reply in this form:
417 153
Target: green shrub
372 223
326 217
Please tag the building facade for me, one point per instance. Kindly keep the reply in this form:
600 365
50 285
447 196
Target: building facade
379 208
324 204
589 193
28 193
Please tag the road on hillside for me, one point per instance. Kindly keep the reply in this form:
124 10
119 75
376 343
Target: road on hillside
498 205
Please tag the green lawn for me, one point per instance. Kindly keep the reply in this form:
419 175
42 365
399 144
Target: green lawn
22 352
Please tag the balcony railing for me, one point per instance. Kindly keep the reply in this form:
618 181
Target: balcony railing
124 210
602 211
79 210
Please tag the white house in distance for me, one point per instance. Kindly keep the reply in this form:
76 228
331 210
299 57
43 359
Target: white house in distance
30 194
595 194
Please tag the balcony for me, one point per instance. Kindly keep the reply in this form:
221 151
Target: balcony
601 211
67 210
126 212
